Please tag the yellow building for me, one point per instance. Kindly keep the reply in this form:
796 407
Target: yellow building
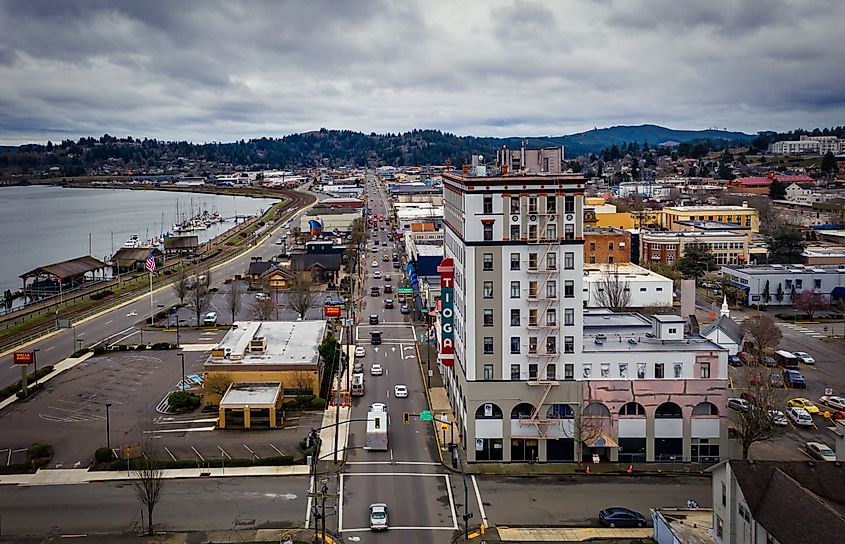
740 215
267 362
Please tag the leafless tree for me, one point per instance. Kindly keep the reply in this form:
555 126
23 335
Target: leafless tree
263 308
199 299
613 290
302 294
234 299
763 394
809 302
180 284
148 480
765 332
217 383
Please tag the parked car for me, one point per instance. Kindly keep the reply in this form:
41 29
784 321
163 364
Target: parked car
740 405
833 401
804 357
360 351
800 416
775 379
804 404
778 418
376 370
767 360
378 516
734 360
794 379
210 318
746 357
374 319
819 451
400 391
262 296
621 517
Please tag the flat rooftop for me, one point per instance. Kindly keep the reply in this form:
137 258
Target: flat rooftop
287 343
713 225
671 234
601 318
705 209
253 394
767 269
627 271
429 250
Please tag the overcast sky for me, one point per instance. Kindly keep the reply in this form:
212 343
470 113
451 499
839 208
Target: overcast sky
220 71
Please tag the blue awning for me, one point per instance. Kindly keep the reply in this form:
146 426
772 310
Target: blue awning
412 275
838 292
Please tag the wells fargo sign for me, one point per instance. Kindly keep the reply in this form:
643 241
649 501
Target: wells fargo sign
24 357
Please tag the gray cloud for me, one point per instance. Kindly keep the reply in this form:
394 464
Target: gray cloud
215 70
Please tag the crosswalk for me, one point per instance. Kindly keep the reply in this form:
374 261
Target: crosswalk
806 330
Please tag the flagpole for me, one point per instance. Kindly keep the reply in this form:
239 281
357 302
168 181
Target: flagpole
152 321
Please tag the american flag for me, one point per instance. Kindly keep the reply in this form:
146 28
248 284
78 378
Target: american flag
151 263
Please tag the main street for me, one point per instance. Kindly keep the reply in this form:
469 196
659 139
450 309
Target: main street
122 325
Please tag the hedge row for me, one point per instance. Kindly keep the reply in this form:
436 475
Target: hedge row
13 389
275 461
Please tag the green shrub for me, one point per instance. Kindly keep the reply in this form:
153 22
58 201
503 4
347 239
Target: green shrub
141 347
318 404
14 388
161 345
39 451
183 401
103 455
122 347
30 390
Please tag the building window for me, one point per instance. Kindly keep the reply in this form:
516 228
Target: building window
569 289
569 204
488 372
587 371
551 232
569 344
488 232
569 372
514 261
488 289
515 344
569 317
515 372
592 246
610 246
569 260
673 330
551 261
532 344
532 204
551 204
551 345
532 261
532 289
720 527
817 284
488 262
592 259
705 370
514 232
515 204
551 289
488 318
569 232
724 495
532 317
488 345
551 372
532 232
623 371
514 317
532 371
641 371
677 369
488 204
514 289
551 317
799 284
610 259
658 370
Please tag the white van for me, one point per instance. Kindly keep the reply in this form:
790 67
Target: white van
210 318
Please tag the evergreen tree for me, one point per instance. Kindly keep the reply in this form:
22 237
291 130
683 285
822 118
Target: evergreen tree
829 165
779 293
767 296
777 190
697 260
786 245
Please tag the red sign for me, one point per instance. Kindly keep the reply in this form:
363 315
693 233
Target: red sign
331 311
24 357
447 311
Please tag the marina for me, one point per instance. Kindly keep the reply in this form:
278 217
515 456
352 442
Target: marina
45 224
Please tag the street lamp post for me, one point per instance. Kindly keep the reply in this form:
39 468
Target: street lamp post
182 360
35 365
108 430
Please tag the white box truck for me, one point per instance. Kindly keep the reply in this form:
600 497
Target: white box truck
376 431
358 385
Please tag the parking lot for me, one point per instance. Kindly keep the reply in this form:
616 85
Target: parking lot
70 413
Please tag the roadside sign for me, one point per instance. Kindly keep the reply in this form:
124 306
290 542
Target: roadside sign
422 337
444 427
331 311
426 415
828 391
24 357
405 291
444 418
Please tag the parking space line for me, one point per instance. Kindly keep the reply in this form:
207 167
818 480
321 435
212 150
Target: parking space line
480 504
170 453
340 505
276 449
223 452
198 454
250 451
451 503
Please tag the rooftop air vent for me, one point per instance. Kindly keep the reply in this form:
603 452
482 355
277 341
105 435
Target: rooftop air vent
599 341
632 341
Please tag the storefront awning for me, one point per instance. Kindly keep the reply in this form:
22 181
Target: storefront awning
602 440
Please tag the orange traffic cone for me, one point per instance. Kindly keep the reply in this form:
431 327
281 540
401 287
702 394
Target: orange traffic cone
588 470
630 469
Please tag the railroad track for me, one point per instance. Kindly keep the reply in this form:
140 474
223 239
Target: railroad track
32 325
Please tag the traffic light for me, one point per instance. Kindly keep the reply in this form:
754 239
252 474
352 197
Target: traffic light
406 417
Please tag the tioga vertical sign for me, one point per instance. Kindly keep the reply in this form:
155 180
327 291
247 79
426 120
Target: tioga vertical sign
447 311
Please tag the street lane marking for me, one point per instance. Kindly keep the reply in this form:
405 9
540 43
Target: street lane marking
191 430
394 528
109 322
430 463
480 504
452 503
398 474
339 505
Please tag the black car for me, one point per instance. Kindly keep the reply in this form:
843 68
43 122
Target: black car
734 360
621 517
374 319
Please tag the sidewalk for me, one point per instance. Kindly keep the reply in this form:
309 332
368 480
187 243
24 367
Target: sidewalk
76 476
60 367
193 537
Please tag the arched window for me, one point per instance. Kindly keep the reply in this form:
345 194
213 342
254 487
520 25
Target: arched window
596 409
632 409
488 410
668 410
560 411
522 410
705 409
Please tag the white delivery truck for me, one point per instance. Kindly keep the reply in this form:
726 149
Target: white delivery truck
358 385
376 431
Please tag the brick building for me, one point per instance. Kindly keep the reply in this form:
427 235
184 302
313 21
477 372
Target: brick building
607 246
